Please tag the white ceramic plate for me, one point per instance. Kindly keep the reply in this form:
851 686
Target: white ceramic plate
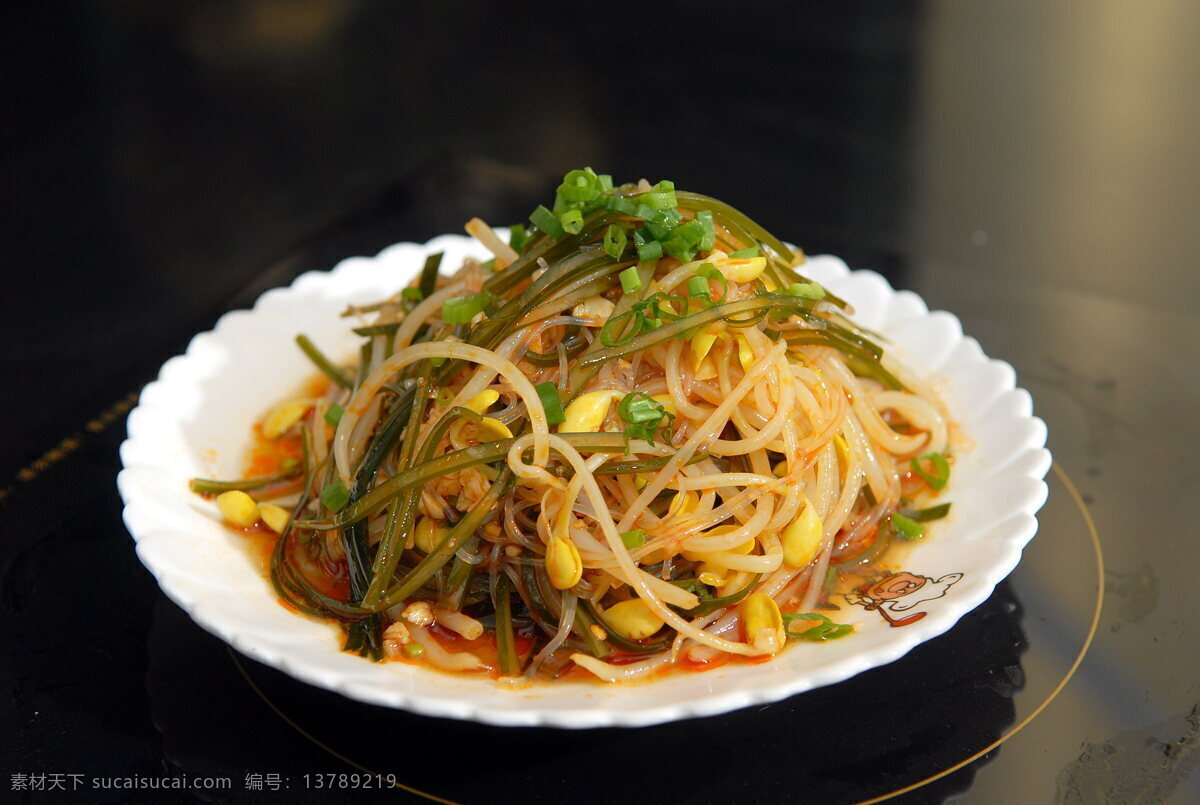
195 420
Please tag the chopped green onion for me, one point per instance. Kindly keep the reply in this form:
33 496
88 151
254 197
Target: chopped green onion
334 414
692 231
571 220
630 281
414 650
906 528
580 186
551 401
698 288
659 223
517 238
709 240
645 415
823 629
544 220
683 241
620 204
662 197
941 469
752 251
928 515
606 182
614 241
638 406
634 539
645 212
650 250
709 272
806 290
335 496
644 431
673 217
412 295
461 309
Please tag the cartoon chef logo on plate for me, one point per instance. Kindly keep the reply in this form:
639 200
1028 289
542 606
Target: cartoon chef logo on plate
898 593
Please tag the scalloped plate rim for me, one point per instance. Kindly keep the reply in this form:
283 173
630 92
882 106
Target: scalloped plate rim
405 694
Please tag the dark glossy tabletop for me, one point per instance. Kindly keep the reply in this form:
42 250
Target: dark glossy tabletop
1030 167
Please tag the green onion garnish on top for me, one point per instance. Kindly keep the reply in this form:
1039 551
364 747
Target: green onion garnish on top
544 220
649 250
708 271
634 539
551 401
630 281
709 239
740 254
614 241
461 309
580 186
937 475
661 197
571 220
644 414
685 240
659 223
638 406
620 204
333 415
